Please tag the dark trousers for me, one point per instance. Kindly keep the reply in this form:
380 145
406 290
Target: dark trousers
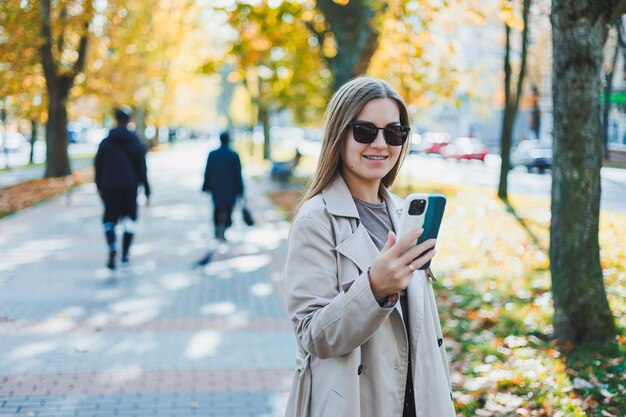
222 219
409 399
119 203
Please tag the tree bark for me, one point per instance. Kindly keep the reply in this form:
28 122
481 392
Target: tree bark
511 103
507 122
34 125
581 309
58 86
264 119
57 158
3 120
140 122
355 35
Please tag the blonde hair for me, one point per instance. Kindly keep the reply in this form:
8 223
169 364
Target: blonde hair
343 108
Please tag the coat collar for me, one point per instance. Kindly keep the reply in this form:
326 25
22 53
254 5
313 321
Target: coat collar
359 246
339 201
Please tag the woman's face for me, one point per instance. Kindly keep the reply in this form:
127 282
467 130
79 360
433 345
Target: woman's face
366 164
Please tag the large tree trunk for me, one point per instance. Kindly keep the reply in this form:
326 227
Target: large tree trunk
355 35
581 309
58 161
59 81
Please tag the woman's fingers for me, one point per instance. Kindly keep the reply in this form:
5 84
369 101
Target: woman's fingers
416 251
403 243
391 240
422 260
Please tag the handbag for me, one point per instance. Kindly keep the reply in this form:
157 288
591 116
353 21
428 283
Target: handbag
247 216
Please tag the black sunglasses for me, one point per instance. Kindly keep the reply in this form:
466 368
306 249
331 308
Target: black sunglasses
366 132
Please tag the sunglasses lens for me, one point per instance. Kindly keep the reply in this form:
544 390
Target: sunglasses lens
396 135
364 132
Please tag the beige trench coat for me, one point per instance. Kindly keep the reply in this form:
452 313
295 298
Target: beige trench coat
352 355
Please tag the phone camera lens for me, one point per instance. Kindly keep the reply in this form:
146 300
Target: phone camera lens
417 207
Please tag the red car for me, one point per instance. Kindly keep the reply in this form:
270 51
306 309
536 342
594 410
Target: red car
465 148
436 142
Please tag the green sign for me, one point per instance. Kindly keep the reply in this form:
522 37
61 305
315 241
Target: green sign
618 97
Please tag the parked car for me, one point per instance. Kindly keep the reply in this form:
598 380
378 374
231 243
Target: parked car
465 148
12 141
417 143
435 142
532 153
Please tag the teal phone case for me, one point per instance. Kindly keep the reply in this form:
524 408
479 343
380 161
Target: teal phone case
432 220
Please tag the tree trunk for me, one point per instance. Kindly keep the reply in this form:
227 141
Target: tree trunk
5 137
264 118
58 161
59 80
355 35
507 121
140 122
511 104
581 309
33 138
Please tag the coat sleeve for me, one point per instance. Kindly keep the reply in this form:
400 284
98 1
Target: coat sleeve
329 321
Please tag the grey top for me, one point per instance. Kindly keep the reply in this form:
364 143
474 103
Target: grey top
376 220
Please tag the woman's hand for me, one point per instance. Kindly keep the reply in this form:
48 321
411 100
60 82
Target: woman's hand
393 268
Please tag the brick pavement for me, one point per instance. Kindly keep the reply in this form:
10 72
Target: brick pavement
160 339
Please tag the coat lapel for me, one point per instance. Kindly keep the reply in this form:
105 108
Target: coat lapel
358 247
394 206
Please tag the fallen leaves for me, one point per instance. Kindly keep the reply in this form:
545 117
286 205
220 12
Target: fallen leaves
25 194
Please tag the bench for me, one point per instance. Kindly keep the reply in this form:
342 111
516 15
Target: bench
283 170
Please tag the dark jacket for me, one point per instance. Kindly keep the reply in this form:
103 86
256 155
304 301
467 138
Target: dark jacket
121 161
222 176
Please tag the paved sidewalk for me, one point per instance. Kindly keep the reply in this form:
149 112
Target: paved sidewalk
161 338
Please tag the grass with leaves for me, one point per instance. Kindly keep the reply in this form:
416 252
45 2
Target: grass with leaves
29 193
496 308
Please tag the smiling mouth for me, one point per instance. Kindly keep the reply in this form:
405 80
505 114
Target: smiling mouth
376 158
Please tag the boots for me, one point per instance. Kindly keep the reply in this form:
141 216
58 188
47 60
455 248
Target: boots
127 240
109 233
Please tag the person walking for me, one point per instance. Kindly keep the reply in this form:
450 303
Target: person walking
369 341
120 167
223 179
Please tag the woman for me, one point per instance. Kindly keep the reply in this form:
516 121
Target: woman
366 323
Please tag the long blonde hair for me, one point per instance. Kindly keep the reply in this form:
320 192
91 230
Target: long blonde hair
344 107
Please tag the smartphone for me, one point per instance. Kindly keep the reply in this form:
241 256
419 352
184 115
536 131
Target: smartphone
422 210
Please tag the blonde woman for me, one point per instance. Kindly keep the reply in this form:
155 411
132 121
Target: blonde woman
365 319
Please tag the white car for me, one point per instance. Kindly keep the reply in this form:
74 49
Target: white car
531 154
12 141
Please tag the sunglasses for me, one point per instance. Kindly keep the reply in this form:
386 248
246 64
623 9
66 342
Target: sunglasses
366 132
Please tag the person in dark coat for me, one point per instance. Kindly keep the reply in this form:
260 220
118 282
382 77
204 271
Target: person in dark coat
120 167
222 178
